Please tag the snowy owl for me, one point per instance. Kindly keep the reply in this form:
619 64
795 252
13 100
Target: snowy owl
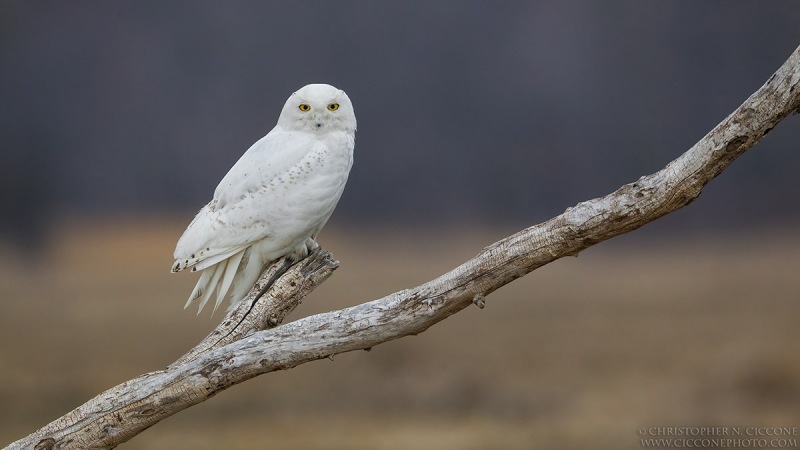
275 199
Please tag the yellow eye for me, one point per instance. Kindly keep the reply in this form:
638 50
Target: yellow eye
333 107
305 107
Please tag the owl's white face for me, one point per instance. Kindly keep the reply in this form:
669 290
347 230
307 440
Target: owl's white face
318 108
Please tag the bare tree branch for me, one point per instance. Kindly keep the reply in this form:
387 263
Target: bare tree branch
270 310
242 349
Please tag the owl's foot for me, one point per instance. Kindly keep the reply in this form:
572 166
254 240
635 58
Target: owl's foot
311 245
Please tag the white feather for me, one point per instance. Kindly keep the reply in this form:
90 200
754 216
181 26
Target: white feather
277 197
199 288
230 271
211 285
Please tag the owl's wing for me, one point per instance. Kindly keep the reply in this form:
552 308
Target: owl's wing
243 203
209 240
268 158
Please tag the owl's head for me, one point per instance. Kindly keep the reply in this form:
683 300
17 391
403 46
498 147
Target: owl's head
318 108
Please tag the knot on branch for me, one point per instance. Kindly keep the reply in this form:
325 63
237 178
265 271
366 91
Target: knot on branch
479 300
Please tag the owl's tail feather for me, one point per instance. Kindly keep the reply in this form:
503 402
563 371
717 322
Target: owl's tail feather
217 278
199 288
230 271
212 284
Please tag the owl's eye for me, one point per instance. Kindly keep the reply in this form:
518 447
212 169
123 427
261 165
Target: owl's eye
333 107
304 107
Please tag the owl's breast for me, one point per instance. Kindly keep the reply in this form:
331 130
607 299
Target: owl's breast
319 178
303 195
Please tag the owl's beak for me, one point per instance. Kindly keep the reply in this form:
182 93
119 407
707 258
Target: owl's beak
318 120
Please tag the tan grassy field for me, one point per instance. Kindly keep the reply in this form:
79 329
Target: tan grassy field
634 333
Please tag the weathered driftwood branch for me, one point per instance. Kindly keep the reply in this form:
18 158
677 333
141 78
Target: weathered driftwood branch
244 352
270 310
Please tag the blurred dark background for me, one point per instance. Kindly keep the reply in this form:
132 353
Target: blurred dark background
118 119
469 112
